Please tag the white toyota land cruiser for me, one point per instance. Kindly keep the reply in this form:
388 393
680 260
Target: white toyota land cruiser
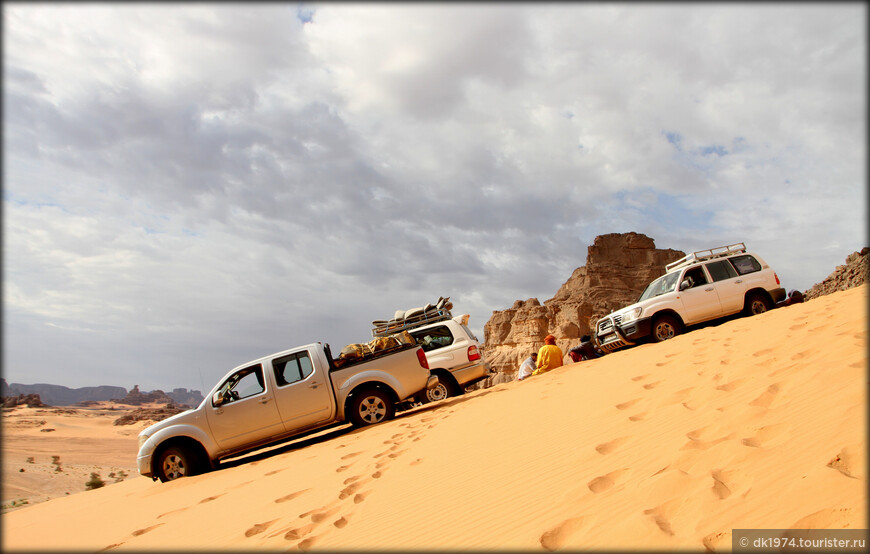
705 285
452 351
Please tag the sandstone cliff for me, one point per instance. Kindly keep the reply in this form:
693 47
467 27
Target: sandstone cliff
854 273
618 267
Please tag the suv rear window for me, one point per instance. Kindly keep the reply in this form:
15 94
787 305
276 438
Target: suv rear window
745 264
431 339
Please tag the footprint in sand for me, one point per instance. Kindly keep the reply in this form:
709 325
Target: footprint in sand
305 545
351 455
290 496
317 517
172 512
554 538
731 385
341 522
276 471
650 386
210 498
717 542
628 404
351 489
829 518
606 482
259 528
765 399
298 532
766 436
608 447
343 468
661 516
640 377
638 417
846 463
358 498
763 352
138 532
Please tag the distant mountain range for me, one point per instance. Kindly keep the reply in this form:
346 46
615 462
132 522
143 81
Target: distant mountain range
58 395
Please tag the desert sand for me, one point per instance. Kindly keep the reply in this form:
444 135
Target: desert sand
751 424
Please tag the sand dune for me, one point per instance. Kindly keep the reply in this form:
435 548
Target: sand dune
754 423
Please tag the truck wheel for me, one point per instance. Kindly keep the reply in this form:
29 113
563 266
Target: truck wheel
440 392
371 406
174 463
665 327
757 303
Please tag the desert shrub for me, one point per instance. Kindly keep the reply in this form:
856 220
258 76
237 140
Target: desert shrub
31 460
94 482
55 460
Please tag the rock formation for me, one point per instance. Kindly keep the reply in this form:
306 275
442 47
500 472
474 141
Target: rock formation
149 414
135 397
29 400
618 267
854 273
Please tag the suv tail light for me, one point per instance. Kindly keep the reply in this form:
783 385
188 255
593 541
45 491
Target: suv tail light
473 353
777 278
421 356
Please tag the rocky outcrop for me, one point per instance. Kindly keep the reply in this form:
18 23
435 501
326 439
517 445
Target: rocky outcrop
136 397
29 400
618 267
149 414
854 273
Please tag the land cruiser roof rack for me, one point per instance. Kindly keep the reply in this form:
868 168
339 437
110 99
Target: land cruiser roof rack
703 255
415 317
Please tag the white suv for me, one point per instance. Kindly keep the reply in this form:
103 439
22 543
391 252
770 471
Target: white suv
705 285
452 351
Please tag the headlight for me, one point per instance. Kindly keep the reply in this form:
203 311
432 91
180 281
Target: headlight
631 315
142 439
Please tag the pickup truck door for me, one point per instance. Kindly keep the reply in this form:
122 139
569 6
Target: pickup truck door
303 394
247 413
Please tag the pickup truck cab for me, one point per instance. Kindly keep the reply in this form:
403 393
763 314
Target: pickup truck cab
277 397
452 351
704 285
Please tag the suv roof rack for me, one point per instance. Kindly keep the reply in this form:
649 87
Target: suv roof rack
415 317
703 255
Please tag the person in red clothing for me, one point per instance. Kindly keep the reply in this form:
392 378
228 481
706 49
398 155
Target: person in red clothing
549 356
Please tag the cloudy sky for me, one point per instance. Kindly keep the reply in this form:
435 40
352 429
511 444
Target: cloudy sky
188 187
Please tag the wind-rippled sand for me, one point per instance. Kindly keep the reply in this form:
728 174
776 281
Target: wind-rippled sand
757 423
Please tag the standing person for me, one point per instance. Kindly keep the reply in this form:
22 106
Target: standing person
527 367
549 356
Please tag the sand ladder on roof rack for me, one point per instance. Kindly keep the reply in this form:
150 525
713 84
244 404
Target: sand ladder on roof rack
415 317
709 254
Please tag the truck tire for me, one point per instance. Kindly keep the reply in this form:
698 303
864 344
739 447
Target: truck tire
665 327
440 392
174 463
370 406
757 303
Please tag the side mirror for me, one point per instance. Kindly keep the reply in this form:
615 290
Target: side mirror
217 399
685 285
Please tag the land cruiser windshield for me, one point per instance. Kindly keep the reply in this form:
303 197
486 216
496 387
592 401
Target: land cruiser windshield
660 286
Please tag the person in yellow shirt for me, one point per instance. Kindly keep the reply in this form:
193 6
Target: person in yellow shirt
549 356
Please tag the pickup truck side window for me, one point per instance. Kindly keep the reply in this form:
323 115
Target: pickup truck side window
431 339
243 383
745 264
721 270
292 368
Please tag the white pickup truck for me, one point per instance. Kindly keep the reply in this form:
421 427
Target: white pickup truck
277 397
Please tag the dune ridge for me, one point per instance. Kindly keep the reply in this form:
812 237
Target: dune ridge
755 423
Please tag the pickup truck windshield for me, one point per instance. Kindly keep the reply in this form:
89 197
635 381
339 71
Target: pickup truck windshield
660 286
